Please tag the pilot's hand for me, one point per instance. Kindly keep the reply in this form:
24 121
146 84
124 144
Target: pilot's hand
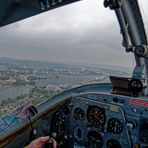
39 143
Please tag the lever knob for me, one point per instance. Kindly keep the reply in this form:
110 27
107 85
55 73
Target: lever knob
130 125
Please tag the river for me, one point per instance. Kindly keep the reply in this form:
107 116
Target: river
70 80
11 91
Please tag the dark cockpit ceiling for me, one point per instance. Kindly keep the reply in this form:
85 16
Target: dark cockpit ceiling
16 10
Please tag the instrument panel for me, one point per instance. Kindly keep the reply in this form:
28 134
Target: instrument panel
106 121
98 119
103 124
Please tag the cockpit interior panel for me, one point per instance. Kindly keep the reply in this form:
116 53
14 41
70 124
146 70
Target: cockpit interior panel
92 119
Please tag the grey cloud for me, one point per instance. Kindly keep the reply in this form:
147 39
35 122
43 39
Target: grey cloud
72 34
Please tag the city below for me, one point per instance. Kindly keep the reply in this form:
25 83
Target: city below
35 81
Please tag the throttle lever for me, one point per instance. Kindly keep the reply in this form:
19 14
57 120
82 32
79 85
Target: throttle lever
49 143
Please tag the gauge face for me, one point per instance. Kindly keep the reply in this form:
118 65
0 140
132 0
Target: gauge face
79 114
95 140
114 125
96 116
111 143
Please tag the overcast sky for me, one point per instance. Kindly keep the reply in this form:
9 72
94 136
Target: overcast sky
80 33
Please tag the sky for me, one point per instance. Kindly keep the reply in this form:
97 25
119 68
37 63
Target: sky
80 33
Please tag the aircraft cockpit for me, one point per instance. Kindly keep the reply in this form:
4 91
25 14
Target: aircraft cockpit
94 115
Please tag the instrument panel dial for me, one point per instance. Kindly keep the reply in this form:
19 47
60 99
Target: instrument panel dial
95 140
96 116
79 114
111 143
114 125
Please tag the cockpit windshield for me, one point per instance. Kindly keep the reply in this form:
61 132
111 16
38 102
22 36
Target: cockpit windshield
143 6
49 53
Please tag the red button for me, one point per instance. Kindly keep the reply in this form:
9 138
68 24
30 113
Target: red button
121 101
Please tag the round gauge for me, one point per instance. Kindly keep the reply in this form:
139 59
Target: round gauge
96 116
111 143
114 125
79 114
95 140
